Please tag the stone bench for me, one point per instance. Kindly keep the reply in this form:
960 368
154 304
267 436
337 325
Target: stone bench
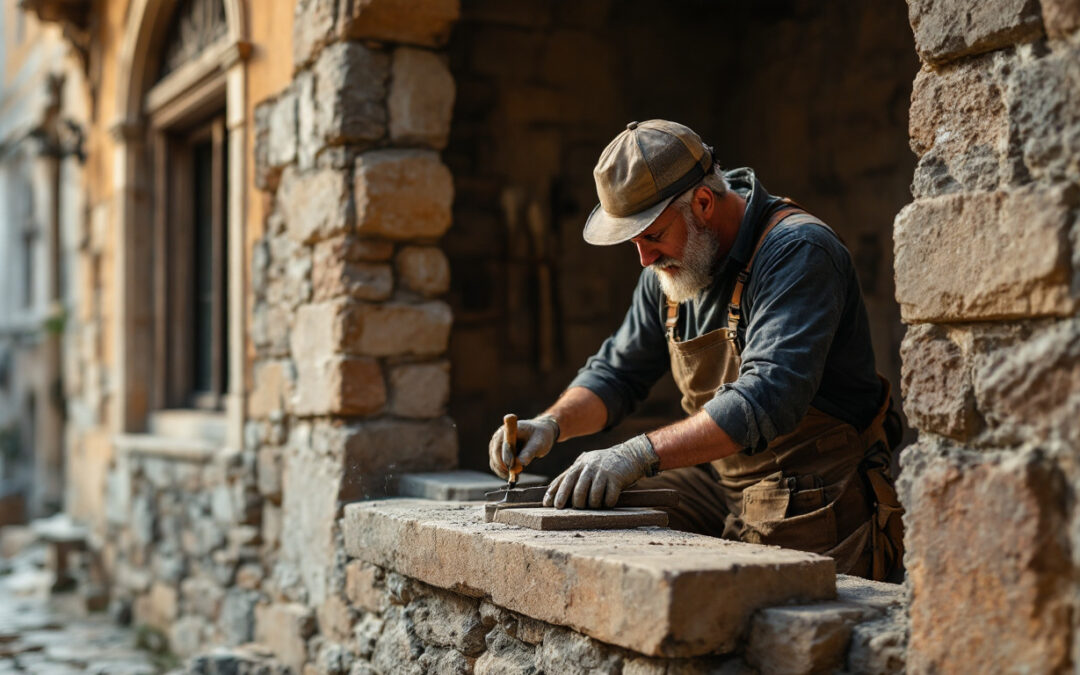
652 590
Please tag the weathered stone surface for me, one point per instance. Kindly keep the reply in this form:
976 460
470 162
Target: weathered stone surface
802 639
421 98
402 194
338 385
449 620
663 592
358 280
336 618
948 29
423 269
364 586
420 22
960 566
395 328
957 257
936 384
1031 389
506 656
1060 17
350 86
284 628
879 647
272 387
237 622
397 649
315 204
1044 109
188 635
282 138
420 389
199 595
581 519
564 651
959 128
378 450
313 28
269 472
460 486
158 607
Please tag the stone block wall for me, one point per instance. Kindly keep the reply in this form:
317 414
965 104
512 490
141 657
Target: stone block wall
350 379
988 278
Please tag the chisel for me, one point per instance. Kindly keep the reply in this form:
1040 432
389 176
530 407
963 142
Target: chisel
510 437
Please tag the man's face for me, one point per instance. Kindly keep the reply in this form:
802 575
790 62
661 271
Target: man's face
681 250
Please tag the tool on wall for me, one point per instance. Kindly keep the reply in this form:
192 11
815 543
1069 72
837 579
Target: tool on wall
533 497
510 438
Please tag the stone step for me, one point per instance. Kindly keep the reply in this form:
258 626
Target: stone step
652 590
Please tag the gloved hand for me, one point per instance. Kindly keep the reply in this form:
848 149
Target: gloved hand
535 437
597 478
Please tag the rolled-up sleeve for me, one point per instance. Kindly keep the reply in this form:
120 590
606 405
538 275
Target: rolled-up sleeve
629 362
794 303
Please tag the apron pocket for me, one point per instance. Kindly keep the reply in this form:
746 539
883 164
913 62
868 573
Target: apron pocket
766 502
811 525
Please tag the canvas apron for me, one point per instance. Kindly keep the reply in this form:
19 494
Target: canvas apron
825 487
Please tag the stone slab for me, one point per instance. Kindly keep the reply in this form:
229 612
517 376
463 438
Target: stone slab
653 590
459 486
549 518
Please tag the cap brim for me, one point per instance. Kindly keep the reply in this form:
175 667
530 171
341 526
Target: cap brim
604 229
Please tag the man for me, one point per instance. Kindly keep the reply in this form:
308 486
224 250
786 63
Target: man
755 307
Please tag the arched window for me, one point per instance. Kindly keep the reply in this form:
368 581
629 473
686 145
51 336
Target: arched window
196 25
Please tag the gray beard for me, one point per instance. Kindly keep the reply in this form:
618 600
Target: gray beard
685 279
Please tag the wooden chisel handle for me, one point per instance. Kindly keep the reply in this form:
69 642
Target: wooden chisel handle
510 422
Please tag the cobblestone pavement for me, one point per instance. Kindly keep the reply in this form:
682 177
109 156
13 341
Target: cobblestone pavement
48 634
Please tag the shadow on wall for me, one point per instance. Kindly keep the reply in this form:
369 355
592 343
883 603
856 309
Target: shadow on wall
814 96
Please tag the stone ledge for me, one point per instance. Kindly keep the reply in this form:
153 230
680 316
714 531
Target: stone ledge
653 590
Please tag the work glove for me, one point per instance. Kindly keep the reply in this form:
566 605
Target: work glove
597 478
535 438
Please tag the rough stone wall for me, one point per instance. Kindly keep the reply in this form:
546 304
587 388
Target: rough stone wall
987 276
813 95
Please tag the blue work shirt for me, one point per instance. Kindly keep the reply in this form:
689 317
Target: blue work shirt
804 332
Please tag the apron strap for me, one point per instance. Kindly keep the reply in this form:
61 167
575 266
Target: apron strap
672 318
790 208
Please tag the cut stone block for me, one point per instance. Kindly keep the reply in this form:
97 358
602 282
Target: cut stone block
548 518
807 639
656 591
459 486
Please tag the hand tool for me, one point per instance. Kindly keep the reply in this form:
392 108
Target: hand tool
510 437
533 497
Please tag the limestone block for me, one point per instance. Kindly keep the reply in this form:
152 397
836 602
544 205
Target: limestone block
1044 109
349 248
960 566
270 329
394 328
266 177
420 389
879 647
188 636
948 29
313 28
309 142
402 194
158 607
419 22
350 88
323 329
1030 389
334 277
364 586
200 595
366 633
338 385
284 628
449 620
802 639
271 388
269 472
282 137
423 269
936 384
397 645
315 204
1061 17
336 618
959 127
656 591
581 519
379 450
460 486
986 255
421 98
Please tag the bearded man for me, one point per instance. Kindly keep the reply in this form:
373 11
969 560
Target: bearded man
754 306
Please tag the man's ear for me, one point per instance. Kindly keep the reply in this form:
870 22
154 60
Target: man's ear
704 203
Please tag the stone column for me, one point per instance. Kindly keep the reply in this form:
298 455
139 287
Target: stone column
350 378
987 278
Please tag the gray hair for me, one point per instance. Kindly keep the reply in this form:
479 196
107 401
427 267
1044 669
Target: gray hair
714 180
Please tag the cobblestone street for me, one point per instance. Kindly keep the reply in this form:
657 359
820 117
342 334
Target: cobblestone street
54 635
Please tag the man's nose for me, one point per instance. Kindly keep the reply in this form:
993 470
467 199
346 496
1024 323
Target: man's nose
646 253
